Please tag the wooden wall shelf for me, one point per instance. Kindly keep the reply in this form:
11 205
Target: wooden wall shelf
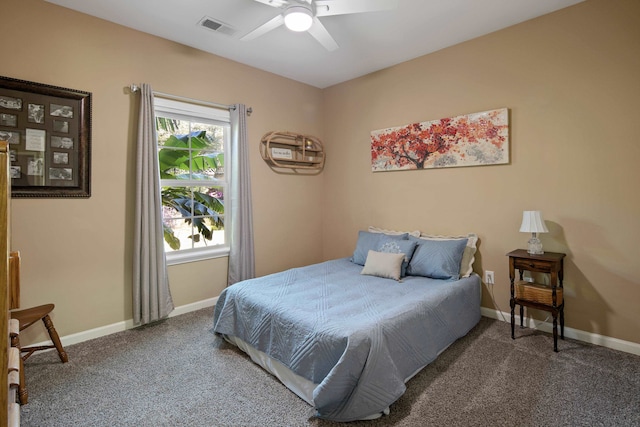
292 153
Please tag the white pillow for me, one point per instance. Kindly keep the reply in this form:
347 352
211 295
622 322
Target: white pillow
373 229
383 264
469 254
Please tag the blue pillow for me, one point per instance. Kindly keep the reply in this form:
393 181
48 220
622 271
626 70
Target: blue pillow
369 242
437 259
395 246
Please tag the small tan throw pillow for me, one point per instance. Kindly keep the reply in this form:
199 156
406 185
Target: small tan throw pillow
383 264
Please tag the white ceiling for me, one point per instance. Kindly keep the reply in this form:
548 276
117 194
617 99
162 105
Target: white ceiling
368 41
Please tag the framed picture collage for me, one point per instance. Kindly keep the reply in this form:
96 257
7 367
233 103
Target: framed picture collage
48 129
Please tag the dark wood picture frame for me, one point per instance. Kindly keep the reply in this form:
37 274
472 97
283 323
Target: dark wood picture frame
66 120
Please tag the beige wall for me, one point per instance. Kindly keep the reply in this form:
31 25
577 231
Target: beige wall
77 253
571 81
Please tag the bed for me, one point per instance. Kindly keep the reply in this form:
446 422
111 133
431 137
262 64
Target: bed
347 334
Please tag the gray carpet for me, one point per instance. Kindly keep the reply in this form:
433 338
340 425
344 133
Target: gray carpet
178 373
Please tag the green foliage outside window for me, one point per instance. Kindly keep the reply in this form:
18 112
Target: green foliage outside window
196 156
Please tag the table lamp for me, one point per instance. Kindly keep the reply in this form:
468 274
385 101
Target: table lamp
533 223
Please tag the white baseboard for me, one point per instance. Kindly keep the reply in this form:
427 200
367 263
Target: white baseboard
127 324
183 309
589 337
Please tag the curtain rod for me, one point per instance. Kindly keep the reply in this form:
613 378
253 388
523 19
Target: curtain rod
135 88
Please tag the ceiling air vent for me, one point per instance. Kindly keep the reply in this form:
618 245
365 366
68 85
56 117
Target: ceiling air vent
217 26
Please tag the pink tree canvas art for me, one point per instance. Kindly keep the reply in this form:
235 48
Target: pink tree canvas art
467 140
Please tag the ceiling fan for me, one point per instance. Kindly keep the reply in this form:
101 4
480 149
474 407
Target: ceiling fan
302 15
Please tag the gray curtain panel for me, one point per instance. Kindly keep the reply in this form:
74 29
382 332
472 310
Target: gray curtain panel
151 295
241 255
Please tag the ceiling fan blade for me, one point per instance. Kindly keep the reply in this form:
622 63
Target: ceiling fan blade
264 28
344 7
274 3
320 33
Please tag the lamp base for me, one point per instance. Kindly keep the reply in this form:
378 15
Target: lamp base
535 246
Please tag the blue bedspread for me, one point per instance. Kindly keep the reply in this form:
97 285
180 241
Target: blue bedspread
359 338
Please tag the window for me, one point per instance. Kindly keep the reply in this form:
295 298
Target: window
193 141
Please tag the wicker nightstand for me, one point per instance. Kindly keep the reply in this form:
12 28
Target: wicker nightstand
543 297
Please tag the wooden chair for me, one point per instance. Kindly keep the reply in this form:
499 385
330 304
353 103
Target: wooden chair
27 317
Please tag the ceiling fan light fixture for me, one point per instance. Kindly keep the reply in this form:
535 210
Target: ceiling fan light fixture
298 18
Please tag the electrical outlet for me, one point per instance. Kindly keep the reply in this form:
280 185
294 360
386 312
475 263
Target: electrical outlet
488 277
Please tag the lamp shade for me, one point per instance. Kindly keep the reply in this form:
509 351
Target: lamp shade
298 18
532 222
